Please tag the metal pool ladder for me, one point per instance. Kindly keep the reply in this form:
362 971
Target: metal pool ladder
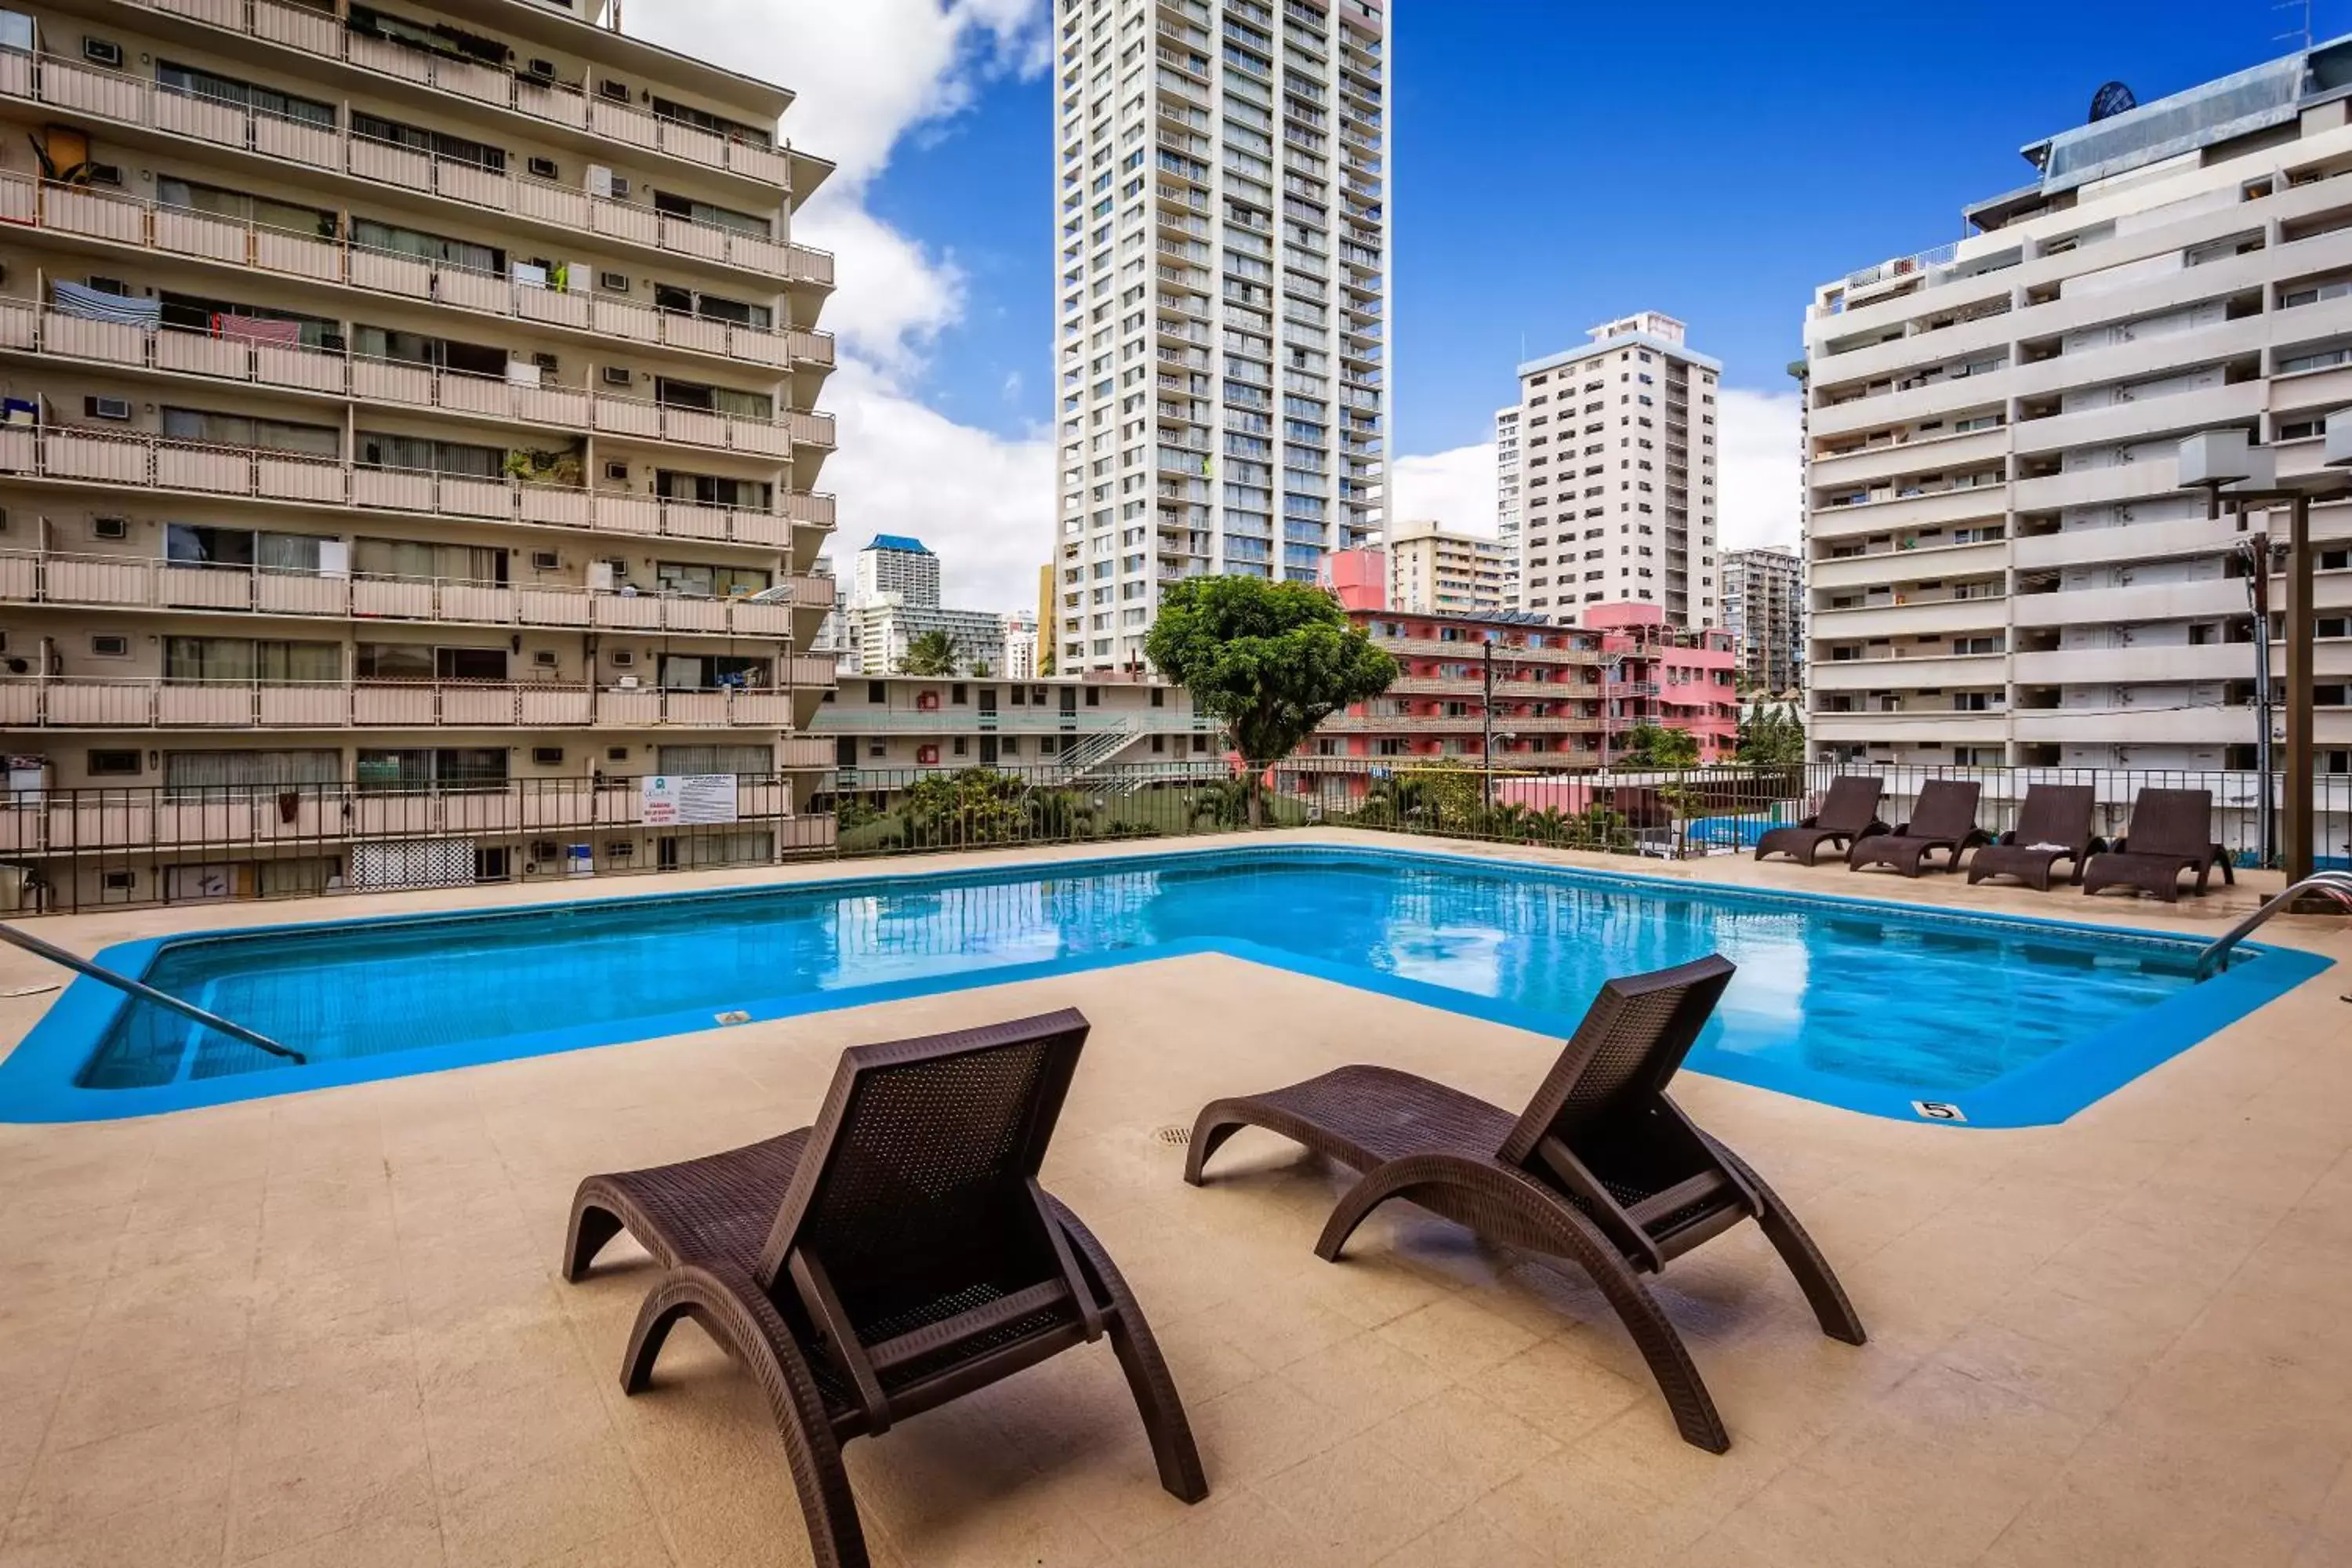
2334 884
145 993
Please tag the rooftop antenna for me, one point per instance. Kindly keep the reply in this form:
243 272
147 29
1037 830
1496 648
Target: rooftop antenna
2299 36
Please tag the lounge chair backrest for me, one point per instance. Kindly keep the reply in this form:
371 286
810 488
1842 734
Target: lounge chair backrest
2056 814
1852 802
1946 809
914 1180
1633 1039
2172 822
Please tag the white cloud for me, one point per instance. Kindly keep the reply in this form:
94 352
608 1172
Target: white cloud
865 75
1455 488
1756 468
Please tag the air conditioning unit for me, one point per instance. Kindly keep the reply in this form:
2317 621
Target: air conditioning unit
545 361
546 659
102 51
545 561
620 191
107 407
623 659
109 528
616 470
616 375
612 282
618 92
543 69
541 168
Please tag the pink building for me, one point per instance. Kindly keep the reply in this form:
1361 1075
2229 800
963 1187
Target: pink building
1655 674
1360 578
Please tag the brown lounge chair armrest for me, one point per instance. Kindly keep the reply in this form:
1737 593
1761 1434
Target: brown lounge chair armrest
1812 821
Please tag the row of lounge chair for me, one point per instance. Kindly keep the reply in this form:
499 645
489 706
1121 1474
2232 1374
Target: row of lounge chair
900 1253
2171 834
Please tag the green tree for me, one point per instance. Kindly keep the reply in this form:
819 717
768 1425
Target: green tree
930 653
1655 746
1770 735
1269 660
981 669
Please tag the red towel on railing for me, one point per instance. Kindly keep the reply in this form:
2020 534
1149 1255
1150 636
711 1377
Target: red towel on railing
255 330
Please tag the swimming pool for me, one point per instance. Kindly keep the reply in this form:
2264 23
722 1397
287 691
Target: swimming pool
1877 1007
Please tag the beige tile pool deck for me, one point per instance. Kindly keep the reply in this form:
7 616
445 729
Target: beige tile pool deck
326 1328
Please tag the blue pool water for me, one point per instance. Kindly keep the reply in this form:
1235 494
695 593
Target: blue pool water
1857 1003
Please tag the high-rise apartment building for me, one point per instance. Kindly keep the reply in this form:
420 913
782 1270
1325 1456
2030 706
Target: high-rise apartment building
896 563
1019 644
1763 591
1507 500
1435 569
1220 331
400 406
2000 567
1617 463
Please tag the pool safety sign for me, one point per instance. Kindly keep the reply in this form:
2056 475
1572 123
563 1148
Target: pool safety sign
672 800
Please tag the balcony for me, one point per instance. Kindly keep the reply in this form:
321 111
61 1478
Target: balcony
1931 672
74 703
131 461
2210 597
123 220
113 582
1882 567
28 327
316 36
1919 618
114 99
2137 665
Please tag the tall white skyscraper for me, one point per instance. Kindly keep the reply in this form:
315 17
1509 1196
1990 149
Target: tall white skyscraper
1221 328
1617 451
1507 500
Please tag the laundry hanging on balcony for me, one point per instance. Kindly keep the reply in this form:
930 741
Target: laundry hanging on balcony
257 330
96 305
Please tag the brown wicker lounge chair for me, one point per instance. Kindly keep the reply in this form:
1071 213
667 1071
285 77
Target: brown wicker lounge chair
2054 825
2171 832
1944 818
1851 811
1601 1168
896 1256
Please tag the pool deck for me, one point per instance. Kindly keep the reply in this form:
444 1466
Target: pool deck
327 1328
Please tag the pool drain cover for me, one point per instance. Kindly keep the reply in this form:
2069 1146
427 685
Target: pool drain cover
1179 1136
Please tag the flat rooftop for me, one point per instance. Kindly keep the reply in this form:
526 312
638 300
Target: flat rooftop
328 1329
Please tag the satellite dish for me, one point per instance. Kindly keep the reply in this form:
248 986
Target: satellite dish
2112 99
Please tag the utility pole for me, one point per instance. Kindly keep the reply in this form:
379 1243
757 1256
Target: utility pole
1486 717
2255 552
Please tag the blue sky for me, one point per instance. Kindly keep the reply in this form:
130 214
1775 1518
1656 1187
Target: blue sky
1560 162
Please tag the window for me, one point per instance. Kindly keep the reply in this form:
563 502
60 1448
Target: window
109 644
431 767
188 81
698 580
191 196
417 139
114 764
191 660
416 661
712 214
239 430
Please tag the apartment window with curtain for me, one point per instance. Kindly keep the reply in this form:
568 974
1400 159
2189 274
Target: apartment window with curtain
694 579
198 544
191 774
239 430
239 206
379 450
190 81
189 661
386 770
415 562
420 661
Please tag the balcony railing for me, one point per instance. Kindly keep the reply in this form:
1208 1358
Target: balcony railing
135 460
177 231
322 34
26 325
75 703
114 98
142 583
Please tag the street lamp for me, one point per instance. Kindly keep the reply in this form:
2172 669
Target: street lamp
2227 467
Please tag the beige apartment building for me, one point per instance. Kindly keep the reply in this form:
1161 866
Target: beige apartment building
399 406
1432 568
1058 730
1617 467
1507 500
1221 341
2001 567
1763 608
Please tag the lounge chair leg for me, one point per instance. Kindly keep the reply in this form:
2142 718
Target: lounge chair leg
1375 1187
1814 1277
837 1539
1148 1378
592 1225
1209 1131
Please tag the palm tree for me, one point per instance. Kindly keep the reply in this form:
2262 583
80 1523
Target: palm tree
931 653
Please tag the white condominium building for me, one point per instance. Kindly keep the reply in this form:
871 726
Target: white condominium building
1434 569
896 563
1220 340
2001 569
1507 498
402 408
1617 464
1763 598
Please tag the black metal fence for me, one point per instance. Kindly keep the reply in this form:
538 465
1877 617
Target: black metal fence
73 849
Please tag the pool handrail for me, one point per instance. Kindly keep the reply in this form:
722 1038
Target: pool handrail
145 993
2334 884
